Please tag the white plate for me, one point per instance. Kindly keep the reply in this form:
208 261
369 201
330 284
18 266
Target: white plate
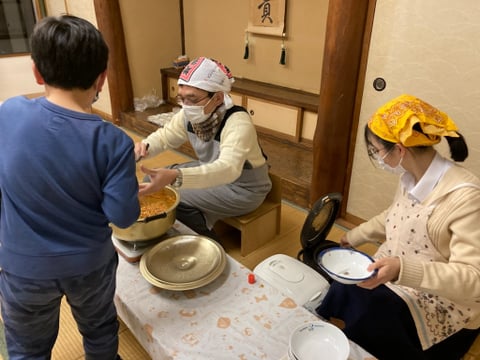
345 265
318 341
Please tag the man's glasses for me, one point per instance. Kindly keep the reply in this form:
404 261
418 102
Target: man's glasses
190 101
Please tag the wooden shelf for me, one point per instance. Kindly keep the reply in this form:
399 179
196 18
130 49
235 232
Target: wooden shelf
274 93
138 120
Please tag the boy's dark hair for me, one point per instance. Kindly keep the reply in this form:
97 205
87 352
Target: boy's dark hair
69 52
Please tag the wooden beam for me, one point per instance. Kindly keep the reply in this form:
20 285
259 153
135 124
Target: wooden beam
341 70
109 21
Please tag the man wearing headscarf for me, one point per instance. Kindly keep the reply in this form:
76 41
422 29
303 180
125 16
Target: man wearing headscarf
424 300
230 177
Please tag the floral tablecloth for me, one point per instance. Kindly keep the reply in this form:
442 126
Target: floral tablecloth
227 319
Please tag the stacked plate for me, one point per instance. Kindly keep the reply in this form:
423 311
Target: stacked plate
316 341
183 262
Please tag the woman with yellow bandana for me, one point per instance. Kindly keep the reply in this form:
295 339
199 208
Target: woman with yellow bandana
424 301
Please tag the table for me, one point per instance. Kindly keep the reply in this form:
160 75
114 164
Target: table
226 319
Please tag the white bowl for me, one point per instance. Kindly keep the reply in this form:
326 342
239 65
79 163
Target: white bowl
318 340
345 265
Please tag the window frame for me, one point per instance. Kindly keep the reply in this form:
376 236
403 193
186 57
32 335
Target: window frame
39 11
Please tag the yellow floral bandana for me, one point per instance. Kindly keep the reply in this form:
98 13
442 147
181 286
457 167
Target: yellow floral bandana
394 122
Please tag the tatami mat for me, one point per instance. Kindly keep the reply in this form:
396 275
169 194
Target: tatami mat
69 342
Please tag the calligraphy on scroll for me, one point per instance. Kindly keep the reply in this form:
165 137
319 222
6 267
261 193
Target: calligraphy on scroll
267 17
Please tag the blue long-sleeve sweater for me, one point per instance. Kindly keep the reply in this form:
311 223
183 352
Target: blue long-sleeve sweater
64 176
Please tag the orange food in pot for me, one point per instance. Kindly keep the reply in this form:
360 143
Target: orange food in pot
156 203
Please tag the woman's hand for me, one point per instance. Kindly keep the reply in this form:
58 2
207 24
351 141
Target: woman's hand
388 269
159 178
344 242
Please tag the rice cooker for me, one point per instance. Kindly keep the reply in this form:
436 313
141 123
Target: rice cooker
296 280
301 278
317 225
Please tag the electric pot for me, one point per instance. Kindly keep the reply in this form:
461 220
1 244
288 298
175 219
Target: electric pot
315 230
150 227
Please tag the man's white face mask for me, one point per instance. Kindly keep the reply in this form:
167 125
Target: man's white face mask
195 113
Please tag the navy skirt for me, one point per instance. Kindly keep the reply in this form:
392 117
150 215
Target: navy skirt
380 322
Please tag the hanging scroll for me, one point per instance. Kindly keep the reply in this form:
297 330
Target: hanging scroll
267 17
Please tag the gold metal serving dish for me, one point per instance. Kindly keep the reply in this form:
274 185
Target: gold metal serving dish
183 262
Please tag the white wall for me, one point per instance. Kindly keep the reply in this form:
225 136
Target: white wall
216 28
152 41
16 77
430 49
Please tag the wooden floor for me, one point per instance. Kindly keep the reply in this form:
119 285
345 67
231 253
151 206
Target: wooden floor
69 347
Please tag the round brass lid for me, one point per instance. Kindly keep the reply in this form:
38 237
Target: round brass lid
183 262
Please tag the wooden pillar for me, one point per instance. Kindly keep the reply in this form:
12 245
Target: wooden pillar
182 27
341 71
109 21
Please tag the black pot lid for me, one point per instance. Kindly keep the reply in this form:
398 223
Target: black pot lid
309 256
320 220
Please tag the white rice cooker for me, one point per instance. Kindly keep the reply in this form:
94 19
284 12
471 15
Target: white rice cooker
302 279
295 279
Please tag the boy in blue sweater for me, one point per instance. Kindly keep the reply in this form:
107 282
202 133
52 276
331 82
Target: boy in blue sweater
65 174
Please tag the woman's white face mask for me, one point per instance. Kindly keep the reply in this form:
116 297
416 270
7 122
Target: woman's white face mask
399 169
380 160
195 113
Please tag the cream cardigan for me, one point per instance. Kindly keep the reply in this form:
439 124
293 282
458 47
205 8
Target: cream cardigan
454 229
238 143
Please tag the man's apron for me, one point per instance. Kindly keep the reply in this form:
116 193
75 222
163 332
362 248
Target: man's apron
436 317
238 198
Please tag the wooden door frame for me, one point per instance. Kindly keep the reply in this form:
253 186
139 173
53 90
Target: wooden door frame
349 26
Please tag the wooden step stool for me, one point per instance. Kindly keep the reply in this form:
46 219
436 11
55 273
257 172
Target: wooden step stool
263 224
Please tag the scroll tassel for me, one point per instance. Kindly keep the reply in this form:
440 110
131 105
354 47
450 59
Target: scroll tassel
283 55
247 52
